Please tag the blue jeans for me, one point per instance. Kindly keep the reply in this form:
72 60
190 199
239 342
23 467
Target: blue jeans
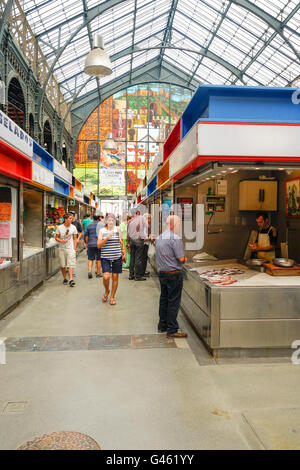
169 302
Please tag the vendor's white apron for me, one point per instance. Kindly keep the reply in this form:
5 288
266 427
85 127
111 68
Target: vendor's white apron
264 240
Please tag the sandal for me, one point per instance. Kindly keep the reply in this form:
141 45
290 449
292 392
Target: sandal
112 302
105 297
72 283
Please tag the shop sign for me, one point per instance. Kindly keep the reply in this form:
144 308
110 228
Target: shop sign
78 195
62 172
42 176
93 204
186 206
71 202
13 135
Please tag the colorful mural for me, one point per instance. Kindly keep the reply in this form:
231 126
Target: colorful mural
139 119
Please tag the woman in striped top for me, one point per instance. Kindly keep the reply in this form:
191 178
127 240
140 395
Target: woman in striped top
112 253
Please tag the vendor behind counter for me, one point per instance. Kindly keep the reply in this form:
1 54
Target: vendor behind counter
266 241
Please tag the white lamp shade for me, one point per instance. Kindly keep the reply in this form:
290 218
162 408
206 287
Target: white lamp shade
109 144
97 63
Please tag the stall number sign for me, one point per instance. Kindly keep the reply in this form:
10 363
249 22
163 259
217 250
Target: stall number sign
186 204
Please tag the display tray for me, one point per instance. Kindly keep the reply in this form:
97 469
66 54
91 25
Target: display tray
249 278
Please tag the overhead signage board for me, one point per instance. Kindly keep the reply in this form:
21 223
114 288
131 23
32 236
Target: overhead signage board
13 135
78 195
62 172
42 176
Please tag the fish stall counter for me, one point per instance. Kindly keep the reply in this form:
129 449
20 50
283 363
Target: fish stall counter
240 312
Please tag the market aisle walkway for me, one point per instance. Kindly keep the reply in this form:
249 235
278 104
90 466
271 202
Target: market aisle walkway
75 364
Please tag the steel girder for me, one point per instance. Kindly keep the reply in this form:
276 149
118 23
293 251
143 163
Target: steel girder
273 22
4 18
202 52
292 13
98 10
223 15
168 31
90 15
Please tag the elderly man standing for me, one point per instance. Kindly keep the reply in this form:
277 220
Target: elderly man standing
169 259
137 231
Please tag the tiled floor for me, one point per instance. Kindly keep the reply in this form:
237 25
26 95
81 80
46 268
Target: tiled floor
74 364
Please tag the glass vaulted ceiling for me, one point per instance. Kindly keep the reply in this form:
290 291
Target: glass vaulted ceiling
255 43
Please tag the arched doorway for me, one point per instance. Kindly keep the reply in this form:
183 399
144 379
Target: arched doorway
16 103
31 125
47 137
93 152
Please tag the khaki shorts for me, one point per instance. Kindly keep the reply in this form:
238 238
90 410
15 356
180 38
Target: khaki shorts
67 258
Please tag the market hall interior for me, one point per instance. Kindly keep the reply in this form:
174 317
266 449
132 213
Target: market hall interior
76 364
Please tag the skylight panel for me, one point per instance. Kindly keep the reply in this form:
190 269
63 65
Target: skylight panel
271 7
293 38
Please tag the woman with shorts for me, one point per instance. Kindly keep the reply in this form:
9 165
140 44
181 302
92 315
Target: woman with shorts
112 253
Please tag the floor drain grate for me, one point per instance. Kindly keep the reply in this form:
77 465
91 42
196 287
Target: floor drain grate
61 441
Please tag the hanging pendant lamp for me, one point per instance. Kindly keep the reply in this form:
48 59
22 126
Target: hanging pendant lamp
109 144
97 62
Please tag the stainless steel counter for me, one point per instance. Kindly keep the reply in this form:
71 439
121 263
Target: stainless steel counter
52 260
259 312
17 279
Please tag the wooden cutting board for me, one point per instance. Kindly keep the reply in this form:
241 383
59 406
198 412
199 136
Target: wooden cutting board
278 271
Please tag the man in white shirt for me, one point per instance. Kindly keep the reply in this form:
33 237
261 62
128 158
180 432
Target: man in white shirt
66 236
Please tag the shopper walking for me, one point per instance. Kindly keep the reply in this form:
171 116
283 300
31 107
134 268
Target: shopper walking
137 231
169 259
86 220
123 228
78 226
94 253
66 236
112 253
101 223
147 242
